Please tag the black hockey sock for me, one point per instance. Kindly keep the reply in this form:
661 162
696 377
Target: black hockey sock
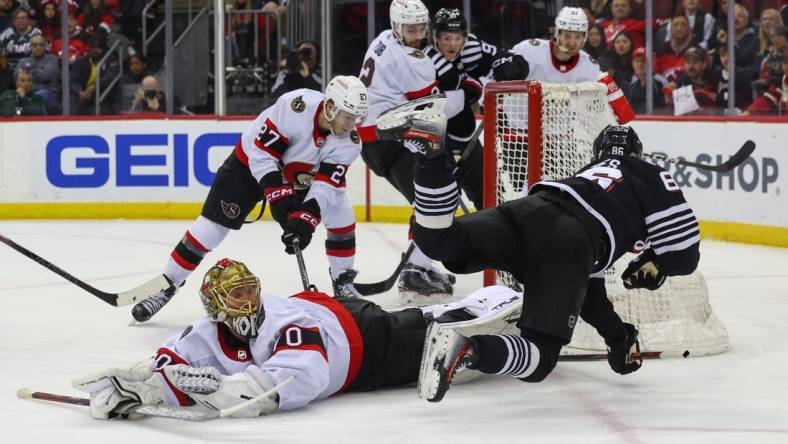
437 193
506 355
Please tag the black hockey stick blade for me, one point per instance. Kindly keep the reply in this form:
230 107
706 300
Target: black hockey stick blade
640 355
109 298
740 156
384 286
162 411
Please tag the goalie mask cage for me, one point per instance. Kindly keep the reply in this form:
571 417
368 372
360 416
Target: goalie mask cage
535 131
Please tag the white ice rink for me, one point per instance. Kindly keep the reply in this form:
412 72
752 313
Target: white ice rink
52 331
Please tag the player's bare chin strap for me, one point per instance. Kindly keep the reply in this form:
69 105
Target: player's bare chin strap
530 358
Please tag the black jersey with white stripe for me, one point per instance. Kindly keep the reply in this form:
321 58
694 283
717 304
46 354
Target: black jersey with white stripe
447 75
639 205
476 57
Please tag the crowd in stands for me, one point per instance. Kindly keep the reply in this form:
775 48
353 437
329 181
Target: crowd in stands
691 53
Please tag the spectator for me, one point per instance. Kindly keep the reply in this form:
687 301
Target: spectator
6 13
635 89
130 81
49 22
596 45
746 40
22 101
16 39
149 97
744 77
670 56
599 9
299 69
84 74
241 31
622 22
775 99
695 75
6 73
784 11
771 70
701 24
77 47
46 73
95 18
618 59
130 20
770 18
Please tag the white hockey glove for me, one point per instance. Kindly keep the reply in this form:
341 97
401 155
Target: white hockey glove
114 391
216 391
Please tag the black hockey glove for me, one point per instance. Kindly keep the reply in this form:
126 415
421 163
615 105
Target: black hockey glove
300 225
282 198
509 66
644 272
619 353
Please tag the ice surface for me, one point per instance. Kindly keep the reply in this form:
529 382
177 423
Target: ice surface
52 331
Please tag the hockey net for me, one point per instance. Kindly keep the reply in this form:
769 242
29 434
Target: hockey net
535 131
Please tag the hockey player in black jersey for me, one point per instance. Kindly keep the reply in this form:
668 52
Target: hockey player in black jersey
552 240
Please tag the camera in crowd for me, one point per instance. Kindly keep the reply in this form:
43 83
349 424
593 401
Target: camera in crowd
151 94
295 57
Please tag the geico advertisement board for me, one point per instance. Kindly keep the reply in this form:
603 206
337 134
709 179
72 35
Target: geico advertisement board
752 193
127 161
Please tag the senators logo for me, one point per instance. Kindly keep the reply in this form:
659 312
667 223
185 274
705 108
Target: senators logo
298 105
231 210
303 180
535 42
418 54
354 137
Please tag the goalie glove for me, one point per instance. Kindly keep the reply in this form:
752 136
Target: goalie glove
216 391
644 272
114 391
419 124
619 353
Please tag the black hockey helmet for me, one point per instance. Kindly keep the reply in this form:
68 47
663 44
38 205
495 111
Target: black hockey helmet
617 140
449 20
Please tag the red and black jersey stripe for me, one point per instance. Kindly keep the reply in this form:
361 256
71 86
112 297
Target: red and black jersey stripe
295 337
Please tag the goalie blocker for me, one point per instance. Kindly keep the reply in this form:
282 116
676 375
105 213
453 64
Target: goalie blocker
553 241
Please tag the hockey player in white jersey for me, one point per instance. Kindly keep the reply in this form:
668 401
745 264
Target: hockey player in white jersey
295 156
306 347
395 71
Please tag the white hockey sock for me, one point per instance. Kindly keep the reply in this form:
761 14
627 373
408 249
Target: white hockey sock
522 359
419 259
202 236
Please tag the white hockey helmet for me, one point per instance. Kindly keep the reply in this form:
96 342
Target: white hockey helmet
571 19
407 12
348 94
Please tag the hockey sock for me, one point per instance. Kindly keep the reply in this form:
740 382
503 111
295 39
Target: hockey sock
506 355
341 249
202 236
437 193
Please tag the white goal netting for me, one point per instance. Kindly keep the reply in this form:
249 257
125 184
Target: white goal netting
546 131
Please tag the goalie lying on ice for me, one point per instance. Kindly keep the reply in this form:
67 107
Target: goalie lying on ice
251 343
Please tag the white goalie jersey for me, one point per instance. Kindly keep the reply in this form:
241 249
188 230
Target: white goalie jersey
309 336
545 67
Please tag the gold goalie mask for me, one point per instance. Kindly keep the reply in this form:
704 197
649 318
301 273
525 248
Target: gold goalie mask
230 294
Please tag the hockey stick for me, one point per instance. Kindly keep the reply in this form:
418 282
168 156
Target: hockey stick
237 408
466 153
740 156
153 286
641 355
385 285
162 411
302 266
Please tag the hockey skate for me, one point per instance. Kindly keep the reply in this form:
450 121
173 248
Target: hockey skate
419 286
343 285
148 307
446 352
